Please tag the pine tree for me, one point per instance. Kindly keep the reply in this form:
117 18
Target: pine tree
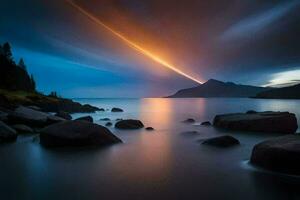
7 51
33 84
22 64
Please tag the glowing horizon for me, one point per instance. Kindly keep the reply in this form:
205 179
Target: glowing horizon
132 44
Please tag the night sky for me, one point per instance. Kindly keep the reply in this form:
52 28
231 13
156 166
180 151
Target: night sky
251 42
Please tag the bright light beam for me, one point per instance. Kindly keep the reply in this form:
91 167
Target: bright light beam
131 43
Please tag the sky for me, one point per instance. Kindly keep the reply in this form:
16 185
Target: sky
124 48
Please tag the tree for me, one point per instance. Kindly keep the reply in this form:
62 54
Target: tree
22 64
33 84
7 51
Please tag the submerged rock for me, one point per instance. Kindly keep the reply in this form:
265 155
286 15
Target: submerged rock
149 128
21 128
277 122
206 123
221 141
7 134
108 124
280 154
116 110
189 120
85 118
105 119
76 133
64 115
129 124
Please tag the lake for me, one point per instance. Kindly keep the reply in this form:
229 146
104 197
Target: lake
168 163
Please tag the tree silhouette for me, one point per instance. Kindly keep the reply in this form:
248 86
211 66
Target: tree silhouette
22 64
7 51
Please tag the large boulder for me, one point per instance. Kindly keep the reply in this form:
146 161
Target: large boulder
64 115
276 122
85 118
76 133
21 128
7 134
280 154
116 110
129 124
221 141
30 117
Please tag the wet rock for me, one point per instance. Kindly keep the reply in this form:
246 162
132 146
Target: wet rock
30 117
76 133
116 110
189 120
190 133
105 119
206 123
149 128
129 124
119 119
64 115
7 134
101 109
221 141
108 124
85 118
276 122
21 128
280 154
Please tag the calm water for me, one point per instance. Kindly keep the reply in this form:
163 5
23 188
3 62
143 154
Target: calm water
167 163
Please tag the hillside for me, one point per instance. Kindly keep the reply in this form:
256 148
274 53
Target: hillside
215 88
291 92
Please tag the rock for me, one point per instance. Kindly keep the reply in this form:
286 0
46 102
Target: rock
85 118
129 124
4 102
280 154
108 124
30 117
3 116
101 109
251 112
189 120
21 128
276 122
149 128
206 123
7 134
116 110
190 133
221 141
105 119
64 115
76 133
119 119
54 119
34 108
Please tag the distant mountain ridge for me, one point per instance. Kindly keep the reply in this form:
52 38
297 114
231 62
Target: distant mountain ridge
291 92
216 88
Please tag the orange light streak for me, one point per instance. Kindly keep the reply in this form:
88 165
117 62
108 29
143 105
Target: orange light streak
132 44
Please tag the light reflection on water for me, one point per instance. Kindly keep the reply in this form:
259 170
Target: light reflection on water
161 164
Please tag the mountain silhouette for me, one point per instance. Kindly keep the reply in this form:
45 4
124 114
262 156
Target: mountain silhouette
215 88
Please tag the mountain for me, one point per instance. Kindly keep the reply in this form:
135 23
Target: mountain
291 92
215 88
